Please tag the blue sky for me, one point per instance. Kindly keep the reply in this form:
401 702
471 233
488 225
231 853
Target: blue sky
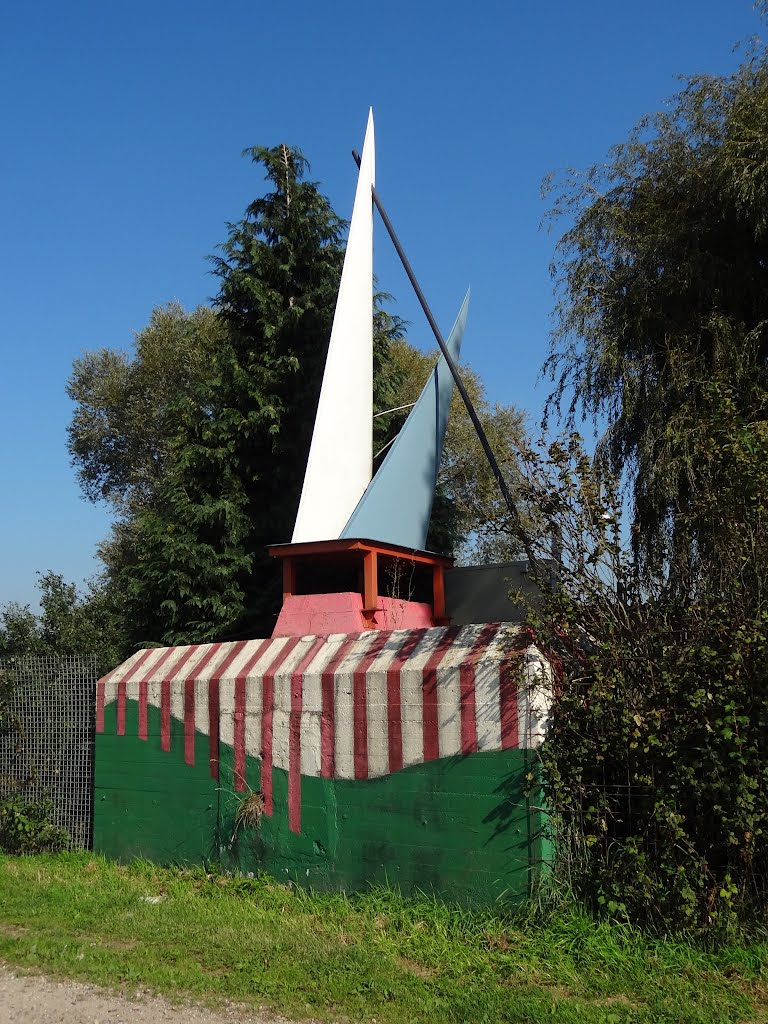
122 127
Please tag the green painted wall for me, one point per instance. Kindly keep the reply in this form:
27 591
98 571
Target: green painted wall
460 827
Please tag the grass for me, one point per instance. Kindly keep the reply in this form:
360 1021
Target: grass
375 957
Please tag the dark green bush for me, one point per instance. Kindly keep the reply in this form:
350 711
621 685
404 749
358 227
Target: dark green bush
656 760
26 826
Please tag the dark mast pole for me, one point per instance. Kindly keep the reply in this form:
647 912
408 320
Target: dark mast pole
444 349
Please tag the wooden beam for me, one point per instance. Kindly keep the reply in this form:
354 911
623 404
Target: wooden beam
370 584
354 545
438 596
289 577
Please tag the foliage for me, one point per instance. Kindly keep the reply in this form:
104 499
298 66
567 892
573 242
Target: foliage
657 756
8 720
663 279
374 955
68 623
198 448
121 429
26 827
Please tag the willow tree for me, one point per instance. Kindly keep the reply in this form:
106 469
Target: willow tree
662 280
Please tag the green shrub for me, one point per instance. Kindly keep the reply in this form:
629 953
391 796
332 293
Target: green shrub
656 760
26 827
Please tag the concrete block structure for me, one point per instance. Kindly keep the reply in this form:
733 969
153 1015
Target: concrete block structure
406 757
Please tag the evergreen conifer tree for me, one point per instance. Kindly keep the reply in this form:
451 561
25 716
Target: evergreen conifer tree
196 566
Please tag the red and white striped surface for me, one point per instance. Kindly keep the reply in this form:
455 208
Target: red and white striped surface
347 706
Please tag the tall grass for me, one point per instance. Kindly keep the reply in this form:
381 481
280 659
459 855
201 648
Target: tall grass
373 956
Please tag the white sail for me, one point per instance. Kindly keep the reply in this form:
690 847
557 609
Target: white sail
340 459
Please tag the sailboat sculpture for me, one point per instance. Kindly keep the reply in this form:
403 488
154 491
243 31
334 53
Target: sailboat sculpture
339 499
341 454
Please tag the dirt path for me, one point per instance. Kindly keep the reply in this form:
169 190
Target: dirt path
32 999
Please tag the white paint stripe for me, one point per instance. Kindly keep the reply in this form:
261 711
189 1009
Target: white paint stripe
253 706
157 674
240 661
201 706
280 728
110 685
227 685
132 690
448 711
487 706
344 745
535 695
524 706
412 698
177 699
227 711
312 703
284 673
154 670
110 690
201 687
449 691
180 675
194 659
154 692
377 704
310 743
282 702
376 710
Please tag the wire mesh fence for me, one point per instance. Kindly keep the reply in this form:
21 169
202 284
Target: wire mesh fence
47 753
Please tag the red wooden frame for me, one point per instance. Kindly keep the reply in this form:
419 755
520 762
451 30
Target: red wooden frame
369 552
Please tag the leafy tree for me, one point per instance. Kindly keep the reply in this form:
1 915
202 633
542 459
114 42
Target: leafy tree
121 430
663 282
69 622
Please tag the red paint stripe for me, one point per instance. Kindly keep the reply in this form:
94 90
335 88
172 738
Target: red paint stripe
328 715
189 721
268 707
429 705
158 664
143 687
165 696
206 658
213 707
468 706
165 714
509 677
360 704
394 711
238 729
101 698
294 736
189 704
100 706
121 688
239 722
121 708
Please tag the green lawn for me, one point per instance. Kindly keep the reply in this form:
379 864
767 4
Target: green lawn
374 957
